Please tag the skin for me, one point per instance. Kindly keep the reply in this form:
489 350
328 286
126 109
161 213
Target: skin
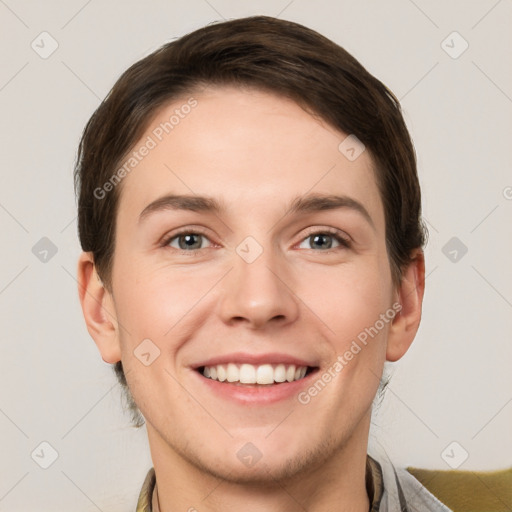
255 152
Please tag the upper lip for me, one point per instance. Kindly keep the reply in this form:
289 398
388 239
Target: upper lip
254 359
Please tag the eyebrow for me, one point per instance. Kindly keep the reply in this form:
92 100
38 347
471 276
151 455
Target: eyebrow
301 204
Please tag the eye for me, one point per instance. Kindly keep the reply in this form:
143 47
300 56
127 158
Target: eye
192 241
188 241
324 240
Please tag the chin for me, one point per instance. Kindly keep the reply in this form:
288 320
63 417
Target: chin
264 462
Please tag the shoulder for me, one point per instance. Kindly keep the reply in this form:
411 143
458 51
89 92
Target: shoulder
403 492
416 495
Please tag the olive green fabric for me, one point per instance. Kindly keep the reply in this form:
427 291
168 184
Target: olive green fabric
469 491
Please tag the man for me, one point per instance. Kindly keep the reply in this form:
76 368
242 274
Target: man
249 211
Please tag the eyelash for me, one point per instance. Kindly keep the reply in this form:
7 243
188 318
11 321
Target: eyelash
343 240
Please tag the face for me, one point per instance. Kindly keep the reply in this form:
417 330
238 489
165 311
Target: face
254 292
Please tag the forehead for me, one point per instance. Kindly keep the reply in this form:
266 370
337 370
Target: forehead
250 148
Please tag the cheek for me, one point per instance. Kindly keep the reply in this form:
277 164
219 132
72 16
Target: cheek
351 300
161 305
152 305
352 308
359 336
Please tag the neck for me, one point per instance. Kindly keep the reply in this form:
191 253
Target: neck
336 483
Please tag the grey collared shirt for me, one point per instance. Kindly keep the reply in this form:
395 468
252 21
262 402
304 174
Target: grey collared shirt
396 490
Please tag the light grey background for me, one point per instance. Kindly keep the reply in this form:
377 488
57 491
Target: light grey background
454 384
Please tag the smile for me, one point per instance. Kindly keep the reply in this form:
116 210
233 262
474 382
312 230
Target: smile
264 374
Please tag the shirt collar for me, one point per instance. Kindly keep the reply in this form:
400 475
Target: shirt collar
144 503
374 483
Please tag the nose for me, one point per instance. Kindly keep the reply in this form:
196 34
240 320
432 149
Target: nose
258 293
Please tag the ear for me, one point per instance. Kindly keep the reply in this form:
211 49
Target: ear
98 309
410 295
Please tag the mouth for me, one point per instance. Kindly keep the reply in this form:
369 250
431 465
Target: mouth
263 375
255 379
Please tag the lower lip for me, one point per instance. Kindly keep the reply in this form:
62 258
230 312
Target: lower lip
257 394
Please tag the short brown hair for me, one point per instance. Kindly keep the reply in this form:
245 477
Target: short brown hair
272 55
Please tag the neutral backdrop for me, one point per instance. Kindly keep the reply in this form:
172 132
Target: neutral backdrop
449 402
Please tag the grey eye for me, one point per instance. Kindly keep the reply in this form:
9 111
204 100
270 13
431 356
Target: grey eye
187 241
323 241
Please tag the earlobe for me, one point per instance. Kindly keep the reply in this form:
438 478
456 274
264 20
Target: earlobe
410 295
98 310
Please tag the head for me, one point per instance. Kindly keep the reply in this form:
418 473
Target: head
301 236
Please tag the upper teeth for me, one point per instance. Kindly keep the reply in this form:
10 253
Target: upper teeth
250 374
